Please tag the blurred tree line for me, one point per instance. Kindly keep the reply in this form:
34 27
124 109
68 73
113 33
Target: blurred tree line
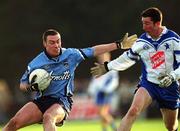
82 23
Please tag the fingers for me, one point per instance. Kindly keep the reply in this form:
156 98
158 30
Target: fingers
165 82
132 38
160 77
95 68
125 36
95 71
97 64
128 41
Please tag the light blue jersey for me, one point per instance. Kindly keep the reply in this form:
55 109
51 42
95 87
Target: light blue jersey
62 70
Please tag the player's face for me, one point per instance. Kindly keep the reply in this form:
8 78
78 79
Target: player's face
149 26
53 45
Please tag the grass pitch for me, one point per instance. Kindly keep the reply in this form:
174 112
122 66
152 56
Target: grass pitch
140 125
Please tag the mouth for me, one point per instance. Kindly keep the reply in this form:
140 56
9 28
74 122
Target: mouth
57 49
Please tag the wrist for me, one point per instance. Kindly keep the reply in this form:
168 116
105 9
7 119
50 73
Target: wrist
173 75
118 44
106 66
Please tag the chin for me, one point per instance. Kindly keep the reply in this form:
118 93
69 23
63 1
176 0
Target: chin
55 55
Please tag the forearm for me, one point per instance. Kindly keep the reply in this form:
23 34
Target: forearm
125 43
103 48
24 86
29 87
121 63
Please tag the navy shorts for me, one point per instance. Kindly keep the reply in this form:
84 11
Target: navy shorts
166 97
45 102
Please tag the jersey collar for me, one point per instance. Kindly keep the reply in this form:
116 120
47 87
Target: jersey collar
52 58
165 30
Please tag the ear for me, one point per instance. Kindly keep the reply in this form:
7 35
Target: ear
158 23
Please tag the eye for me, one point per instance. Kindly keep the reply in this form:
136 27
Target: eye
51 42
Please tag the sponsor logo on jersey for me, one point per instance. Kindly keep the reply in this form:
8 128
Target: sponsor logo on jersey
66 65
157 59
66 75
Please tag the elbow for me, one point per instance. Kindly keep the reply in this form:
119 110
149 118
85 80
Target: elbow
23 86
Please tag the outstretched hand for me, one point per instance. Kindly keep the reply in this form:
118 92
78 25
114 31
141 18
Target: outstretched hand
127 42
98 70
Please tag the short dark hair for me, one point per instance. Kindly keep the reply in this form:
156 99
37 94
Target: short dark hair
154 13
49 32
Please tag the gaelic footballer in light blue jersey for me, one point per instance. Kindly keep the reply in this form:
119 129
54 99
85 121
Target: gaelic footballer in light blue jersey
62 72
51 106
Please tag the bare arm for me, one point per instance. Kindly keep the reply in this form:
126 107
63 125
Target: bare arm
23 86
29 87
125 43
100 49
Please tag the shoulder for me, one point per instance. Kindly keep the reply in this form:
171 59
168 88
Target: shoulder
144 39
82 52
143 36
170 36
38 59
69 50
73 52
171 33
140 42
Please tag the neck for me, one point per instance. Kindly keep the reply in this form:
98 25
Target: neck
51 57
157 33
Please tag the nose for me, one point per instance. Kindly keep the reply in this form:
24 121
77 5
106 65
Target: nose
57 45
